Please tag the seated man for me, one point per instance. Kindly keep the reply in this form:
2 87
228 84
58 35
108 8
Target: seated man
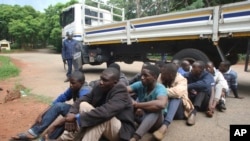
220 88
123 79
77 89
151 102
137 77
106 111
231 77
199 88
184 67
179 105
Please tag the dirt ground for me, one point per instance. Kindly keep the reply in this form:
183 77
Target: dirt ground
46 79
19 114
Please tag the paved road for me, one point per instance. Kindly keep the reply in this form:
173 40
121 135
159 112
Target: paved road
44 75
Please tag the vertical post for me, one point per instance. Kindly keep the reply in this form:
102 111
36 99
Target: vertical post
216 18
247 56
98 13
83 21
128 33
219 51
112 13
123 14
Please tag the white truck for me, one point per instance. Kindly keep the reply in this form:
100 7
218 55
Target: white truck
214 33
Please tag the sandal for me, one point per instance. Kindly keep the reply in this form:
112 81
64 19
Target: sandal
22 137
209 113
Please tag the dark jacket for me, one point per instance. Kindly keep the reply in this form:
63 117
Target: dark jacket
203 83
115 103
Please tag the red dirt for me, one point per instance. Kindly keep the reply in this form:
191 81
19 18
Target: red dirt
17 115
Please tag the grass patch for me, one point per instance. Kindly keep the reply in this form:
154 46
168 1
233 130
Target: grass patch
7 68
26 92
41 98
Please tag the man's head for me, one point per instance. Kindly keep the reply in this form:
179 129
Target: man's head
109 78
197 68
176 62
159 64
76 79
69 34
168 74
185 64
224 66
115 65
149 74
145 64
210 67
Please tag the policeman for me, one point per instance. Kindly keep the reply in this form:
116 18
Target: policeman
71 53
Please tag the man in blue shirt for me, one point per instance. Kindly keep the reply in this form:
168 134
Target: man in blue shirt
231 77
58 107
199 88
151 101
71 53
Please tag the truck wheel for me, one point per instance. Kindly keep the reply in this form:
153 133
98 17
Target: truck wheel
191 55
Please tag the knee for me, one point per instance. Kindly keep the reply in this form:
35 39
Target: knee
61 107
85 107
57 105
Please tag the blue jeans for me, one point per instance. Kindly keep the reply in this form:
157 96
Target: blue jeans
49 116
70 64
175 110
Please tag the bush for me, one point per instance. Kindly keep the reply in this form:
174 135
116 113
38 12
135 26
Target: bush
15 46
7 68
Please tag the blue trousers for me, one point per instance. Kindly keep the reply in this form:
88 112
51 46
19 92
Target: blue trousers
175 111
70 66
49 116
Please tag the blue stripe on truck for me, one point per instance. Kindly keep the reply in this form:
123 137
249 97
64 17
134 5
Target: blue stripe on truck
228 15
174 22
237 14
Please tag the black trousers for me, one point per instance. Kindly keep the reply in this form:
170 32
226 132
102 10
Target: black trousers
200 101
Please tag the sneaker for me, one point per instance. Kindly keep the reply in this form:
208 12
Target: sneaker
221 106
191 119
160 133
67 80
209 113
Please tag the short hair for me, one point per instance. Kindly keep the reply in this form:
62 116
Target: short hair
184 61
176 62
170 67
115 65
153 70
210 63
69 33
115 73
200 64
78 76
226 63
159 63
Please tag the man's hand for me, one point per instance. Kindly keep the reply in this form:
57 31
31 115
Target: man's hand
194 92
64 61
70 117
139 112
71 126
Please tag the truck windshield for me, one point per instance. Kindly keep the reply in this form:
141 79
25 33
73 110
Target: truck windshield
67 17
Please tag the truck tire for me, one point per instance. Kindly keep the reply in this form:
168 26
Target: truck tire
191 55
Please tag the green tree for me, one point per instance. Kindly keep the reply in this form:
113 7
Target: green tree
24 25
52 28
